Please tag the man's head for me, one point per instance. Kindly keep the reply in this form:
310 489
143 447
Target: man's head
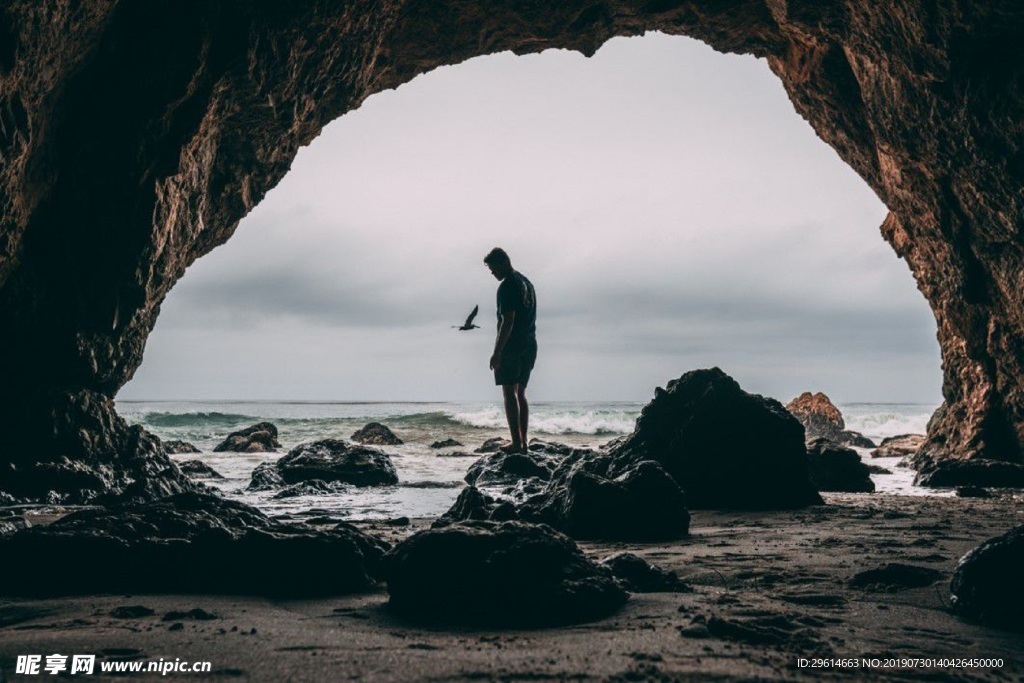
499 263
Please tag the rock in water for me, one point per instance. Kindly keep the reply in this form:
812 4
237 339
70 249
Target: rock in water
498 574
330 460
726 448
446 443
977 472
199 469
188 543
497 468
179 447
837 468
900 446
987 586
493 445
818 415
376 434
259 438
848 438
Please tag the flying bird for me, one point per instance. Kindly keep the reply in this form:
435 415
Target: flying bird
468 325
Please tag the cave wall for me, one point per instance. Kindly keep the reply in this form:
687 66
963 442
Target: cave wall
135 135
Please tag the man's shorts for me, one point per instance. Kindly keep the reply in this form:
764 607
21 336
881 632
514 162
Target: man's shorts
516 364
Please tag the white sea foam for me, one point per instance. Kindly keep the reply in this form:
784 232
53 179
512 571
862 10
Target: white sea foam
878 422
554 421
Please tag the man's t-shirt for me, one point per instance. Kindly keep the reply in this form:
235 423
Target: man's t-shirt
515 294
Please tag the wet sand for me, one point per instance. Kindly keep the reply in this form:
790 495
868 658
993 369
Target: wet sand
767 589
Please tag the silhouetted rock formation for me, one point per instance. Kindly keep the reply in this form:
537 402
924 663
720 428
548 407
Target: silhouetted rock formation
726 448
987 586
500 468
329 460
837 468
498 574
640 576
818 415
199 469
902 446
136 136
848 438
179 448
446 443
989 473
189 543
259 438
376 434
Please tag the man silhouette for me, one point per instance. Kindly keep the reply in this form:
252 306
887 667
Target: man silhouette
515 349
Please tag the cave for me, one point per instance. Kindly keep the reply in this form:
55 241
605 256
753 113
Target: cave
136 136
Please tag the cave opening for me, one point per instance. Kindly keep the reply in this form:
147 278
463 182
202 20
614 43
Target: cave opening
672 209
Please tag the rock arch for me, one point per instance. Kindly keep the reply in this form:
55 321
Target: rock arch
135 135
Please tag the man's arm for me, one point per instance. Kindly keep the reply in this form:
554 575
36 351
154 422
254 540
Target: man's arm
504 331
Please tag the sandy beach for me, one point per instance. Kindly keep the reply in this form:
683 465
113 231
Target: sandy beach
767 590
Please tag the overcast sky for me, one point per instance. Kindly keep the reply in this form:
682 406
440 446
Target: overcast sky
670 207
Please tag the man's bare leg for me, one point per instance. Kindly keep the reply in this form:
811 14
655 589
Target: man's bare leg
524 414
511 394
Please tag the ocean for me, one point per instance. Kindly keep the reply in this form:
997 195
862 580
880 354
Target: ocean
428 484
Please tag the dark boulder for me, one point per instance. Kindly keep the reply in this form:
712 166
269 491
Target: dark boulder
493 445
376 434
643 503
265 477
900 446
498 574
179 447
500 468
446 443
640 576
199 470
878 469
987 586
818 415
188 543
837 468
849 438
726 448
975 472
471 504
335 460
259 438
972 492
456 454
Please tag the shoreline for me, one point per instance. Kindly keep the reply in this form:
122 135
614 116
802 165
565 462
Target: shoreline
768 588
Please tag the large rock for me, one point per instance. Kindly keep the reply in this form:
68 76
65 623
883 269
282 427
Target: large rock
726 448
837 468
987 586
199 470
332 460
641 504
640 576
376 434
498 574
179 448
947 473
501 468
446 443
135 139
189 543
818 415
258 438
902 446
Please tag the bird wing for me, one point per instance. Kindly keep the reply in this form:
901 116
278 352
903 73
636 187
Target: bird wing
469 320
